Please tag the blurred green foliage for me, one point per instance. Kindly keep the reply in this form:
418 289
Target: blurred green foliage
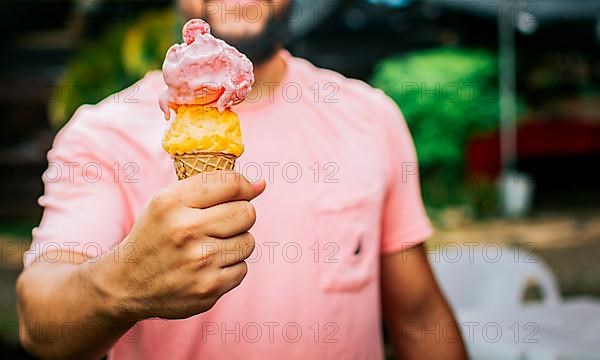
446 95
16 229
119 58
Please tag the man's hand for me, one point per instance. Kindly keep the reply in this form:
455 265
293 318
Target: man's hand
187 248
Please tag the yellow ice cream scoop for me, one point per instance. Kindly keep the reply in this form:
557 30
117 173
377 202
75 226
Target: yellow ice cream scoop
204 129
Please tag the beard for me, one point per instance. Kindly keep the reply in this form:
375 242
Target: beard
262 46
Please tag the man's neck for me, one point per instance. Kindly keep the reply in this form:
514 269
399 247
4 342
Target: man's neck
268 76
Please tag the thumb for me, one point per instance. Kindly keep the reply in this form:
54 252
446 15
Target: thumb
258 188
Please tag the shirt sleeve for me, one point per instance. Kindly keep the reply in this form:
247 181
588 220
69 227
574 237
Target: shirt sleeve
83 205
405 222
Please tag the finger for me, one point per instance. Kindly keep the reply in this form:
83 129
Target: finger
228 219
233 275
235 249
208 189
222 252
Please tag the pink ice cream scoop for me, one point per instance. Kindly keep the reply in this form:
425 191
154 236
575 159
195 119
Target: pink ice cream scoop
204 71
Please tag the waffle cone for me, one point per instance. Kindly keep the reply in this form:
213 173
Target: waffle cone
190 164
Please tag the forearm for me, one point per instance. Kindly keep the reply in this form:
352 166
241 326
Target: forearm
421 322
65 312
428 331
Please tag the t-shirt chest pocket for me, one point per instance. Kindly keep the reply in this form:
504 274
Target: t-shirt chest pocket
347 230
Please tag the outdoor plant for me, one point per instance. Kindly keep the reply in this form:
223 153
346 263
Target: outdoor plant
446 95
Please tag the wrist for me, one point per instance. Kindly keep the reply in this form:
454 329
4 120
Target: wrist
108 290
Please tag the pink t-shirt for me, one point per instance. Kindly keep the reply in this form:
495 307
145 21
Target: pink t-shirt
342 190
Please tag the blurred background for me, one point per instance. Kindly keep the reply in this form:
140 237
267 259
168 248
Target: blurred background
502 98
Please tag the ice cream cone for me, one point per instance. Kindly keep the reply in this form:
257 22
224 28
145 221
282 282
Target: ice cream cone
187 165
206 134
